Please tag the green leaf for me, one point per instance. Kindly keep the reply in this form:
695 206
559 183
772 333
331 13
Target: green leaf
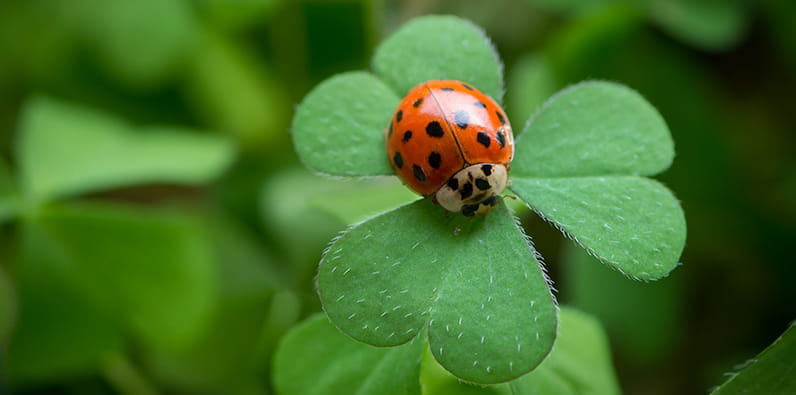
580 363
154 271
226 358
770 372
708 24
141 42
297 190
332 363
339 127
439 47
632 223
57 319
236 94
65 149
594 128
532 83
570 6
238 15
481 294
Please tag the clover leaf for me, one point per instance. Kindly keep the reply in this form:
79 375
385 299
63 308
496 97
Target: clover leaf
334 364
579 364
578 165
439 47
481 296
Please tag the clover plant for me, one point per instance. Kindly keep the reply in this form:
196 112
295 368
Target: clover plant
480 298
579 364
82 261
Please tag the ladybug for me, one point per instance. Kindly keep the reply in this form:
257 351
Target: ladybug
449 141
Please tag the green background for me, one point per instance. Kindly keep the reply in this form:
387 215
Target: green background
158 233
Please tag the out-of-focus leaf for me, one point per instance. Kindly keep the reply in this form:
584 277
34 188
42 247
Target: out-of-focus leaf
153 271
770 372
594 128
43 52
645 321
439 48
225 358
436 380
9 202
573 6
142 42
339 127
56 319
708 24
64 150
532 83
586 45
387 280
365 200
237 14
316 358
236 94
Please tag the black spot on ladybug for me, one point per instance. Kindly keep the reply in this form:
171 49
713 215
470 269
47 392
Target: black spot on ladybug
501 139
434 160
467 190
469 210
491 201
468 87
448 89
462 119
453 183
484 139
486 169
501 118
407 136
479 104
479 197
482 184
398 160
434 129
419 173
417 103
399 116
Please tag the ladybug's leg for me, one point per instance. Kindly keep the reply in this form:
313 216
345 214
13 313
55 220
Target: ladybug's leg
458 227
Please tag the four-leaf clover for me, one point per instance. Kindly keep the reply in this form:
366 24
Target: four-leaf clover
482 297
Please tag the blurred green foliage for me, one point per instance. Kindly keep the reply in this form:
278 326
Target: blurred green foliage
158 235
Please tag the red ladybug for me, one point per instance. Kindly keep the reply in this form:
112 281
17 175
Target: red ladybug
449 140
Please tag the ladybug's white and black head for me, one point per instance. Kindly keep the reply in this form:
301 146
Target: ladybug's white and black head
474 190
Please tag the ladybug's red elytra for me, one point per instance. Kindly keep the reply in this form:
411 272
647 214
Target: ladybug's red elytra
449 141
